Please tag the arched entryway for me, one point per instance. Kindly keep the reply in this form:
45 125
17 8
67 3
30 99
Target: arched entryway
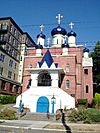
44 79
42 105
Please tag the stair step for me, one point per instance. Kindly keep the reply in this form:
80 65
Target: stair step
38 116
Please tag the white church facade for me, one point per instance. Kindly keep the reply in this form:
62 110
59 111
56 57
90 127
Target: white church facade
53 77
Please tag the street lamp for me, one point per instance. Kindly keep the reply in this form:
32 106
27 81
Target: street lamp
53 102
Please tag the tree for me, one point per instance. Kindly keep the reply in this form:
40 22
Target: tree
96 67
97 100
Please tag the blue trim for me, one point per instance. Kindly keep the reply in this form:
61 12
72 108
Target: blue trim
53 107
20 106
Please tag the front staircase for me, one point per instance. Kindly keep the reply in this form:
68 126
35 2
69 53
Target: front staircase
37 117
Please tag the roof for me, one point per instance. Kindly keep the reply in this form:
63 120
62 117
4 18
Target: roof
58 30
41 35
71 33
48 59
85 50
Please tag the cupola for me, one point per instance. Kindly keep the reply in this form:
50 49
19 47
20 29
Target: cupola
58 30
58 34
86 52
71 33
41 37
72 36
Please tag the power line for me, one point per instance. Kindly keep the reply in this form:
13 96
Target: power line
64 23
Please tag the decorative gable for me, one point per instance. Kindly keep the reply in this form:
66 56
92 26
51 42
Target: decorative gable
47 61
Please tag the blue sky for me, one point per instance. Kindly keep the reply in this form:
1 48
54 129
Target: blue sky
29 14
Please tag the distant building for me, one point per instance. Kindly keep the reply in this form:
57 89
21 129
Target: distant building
55 77
13 44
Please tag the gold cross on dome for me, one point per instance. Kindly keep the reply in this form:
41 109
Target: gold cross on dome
59 18
71 25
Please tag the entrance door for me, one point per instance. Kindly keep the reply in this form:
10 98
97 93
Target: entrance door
42 105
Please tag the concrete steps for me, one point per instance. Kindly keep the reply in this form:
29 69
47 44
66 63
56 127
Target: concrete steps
38 116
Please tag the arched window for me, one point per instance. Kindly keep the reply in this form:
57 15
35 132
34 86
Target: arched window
67 83
67 67
44 79
87 89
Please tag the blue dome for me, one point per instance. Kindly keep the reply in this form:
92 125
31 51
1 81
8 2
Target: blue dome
41 35
71 33
65 45
39 46
85 50
58 30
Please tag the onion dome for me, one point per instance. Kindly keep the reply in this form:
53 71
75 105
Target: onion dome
58 30
41 35
86 50
65 45
39 46
72 33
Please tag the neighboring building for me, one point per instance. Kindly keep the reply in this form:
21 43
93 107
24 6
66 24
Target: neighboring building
55 77
13 43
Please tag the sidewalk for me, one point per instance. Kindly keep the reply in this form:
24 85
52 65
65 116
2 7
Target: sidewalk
49 125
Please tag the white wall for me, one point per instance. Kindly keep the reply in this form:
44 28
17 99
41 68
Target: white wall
41 41
72 41
60 38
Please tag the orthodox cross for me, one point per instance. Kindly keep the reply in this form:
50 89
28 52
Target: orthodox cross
59 18
71 25
41 27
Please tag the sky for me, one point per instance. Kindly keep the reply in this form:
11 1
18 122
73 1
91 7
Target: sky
30 14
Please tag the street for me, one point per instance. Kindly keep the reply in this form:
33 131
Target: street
21 130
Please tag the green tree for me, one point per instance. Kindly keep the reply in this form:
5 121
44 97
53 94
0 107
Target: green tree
96 67
97 100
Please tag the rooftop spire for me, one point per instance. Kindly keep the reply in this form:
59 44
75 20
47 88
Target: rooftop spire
59 18
41 27
71 25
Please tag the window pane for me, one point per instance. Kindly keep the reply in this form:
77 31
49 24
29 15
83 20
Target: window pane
67 68
87 88
67 83
85 71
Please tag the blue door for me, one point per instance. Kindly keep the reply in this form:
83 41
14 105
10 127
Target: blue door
42 105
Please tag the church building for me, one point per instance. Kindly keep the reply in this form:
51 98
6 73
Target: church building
56 76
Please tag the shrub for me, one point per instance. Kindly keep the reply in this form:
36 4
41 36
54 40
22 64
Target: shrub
8 114
78 115
83 102
97 100
7 99
86 115
94 115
